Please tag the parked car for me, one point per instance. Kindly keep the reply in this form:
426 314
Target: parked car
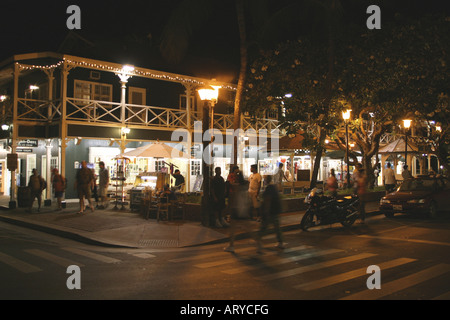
422 195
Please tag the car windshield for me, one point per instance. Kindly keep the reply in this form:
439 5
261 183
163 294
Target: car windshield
418 185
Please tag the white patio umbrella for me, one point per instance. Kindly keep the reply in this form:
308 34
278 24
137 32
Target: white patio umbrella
156 150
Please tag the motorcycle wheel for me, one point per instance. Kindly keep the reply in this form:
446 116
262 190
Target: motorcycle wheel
309 220
351 216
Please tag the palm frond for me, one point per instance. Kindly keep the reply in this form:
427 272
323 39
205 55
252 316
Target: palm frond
187 18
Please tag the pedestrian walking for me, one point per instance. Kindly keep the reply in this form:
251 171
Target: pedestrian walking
355 177
94 189
361 191
271 209
254 187
389 180
218 194
332 184
37 184
232 186
103 183
83 184
237 202
59 184
279 176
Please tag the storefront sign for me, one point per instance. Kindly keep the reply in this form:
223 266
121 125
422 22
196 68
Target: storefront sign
24 150
28 143
11 161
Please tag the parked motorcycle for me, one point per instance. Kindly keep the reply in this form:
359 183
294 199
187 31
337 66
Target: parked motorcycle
325 210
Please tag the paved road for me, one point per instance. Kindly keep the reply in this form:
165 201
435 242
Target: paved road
325 263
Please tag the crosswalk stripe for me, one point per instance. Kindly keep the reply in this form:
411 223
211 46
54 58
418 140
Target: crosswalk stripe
325 282
407 240
273 263
400 284
53 258
444 296
91 255
321 265
233 259
18 264
209 255
143 255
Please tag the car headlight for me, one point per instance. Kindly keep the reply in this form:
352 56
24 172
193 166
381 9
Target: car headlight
416 201
384 201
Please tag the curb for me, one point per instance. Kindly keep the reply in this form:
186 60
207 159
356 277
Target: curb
61 233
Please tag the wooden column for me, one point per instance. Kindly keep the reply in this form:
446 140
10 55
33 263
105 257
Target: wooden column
15 132
63 127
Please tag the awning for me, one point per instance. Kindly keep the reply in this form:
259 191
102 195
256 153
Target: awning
398 146
156 150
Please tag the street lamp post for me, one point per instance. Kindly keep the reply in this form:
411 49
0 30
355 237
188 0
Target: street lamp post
346 117
123 138
209 95
406 125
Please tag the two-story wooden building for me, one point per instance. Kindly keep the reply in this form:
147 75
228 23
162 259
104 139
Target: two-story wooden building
58 110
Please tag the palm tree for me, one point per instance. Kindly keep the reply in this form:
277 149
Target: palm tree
187 18
266 29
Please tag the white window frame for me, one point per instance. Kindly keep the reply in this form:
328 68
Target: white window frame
91 95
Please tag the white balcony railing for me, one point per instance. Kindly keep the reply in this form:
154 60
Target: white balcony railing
149 116
114 113
38 110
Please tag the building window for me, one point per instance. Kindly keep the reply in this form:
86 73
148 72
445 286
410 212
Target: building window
196 167
92 91
183 102
159 164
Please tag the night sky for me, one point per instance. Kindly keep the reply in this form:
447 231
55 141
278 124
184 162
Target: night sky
41 25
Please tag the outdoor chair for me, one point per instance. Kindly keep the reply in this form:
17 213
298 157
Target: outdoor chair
163 208
178 209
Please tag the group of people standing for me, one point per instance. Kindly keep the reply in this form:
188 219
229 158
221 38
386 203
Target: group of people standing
359 181
37 185
85 184
246 203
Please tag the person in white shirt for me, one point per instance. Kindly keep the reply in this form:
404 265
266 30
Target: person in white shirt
389 178
279 176
254 188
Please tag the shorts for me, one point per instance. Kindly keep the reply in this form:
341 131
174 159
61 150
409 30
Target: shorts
102 191
59 194
84 190
254 199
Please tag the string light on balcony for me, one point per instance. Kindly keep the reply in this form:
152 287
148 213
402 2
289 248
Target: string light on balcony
33 66
119 69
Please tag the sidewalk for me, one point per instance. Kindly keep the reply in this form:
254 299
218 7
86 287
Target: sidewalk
125 228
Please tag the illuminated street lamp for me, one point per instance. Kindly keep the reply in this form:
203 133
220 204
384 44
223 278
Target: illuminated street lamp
208 94
123 137
406 125
346 117
124 74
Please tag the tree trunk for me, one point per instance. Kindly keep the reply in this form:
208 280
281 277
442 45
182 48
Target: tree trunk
328 95
318 158
242 75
